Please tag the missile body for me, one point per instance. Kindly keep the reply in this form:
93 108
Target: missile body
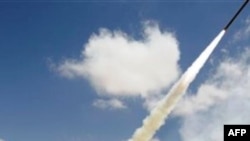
236 14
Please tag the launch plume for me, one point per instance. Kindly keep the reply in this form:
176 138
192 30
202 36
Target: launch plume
158 115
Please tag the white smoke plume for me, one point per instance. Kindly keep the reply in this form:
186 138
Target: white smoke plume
158 115
223 99
116 64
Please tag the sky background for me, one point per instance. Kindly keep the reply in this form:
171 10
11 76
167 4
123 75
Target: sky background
38 102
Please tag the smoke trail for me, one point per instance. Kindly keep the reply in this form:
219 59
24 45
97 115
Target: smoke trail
158 115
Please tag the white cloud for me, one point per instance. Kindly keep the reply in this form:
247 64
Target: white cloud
109 104
155 139
116 64
223 99
2 139
244 32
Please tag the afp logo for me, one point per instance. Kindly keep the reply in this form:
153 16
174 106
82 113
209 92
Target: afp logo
237 132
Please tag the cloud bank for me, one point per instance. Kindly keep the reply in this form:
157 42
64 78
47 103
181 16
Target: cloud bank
117 65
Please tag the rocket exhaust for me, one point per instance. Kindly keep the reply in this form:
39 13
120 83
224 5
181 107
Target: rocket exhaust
157 116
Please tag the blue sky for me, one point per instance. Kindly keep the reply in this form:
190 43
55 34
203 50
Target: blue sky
38 103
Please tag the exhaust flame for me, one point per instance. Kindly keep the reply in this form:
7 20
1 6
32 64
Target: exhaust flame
158 115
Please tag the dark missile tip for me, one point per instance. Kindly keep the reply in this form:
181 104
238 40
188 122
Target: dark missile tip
237 13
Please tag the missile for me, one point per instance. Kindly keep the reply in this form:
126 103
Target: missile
236 14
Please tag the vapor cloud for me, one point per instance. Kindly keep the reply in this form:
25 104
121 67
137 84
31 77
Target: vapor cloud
117 65
109 104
